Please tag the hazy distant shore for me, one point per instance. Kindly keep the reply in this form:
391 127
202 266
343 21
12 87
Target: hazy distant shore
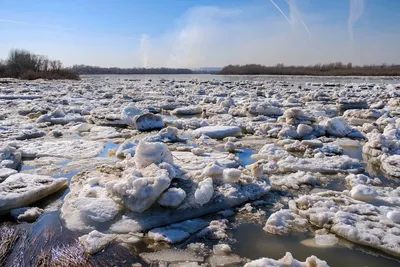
332 69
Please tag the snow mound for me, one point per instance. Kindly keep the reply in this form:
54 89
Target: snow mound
140 190
284 222
149 153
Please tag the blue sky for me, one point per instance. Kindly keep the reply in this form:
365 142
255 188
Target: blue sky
203 33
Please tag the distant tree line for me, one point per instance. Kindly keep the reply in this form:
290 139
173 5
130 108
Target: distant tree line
331 69
23 64
84 69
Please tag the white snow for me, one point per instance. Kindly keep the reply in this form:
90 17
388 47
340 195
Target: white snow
287 261
231 175
271 152
216 230
357 221
172 198
204 191
95 241
149 153
177 232
138 193
329 165
391 165
71 149
285 222
293 180
22 189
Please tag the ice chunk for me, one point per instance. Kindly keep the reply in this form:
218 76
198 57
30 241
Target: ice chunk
363 193
128 114
222 249
171 255
191 110
127 148
71 149
394 216
338 127
169 235
217 132
9 157
22 189
357 221
5 172
216 230
148 121
355 179
391 165
334 164
172 198
27 214
204 191
213 170
177 232
326 240
96 210
304 129
293 180
231 175
95 241
149 153
285 222
82 127
287 261
139 193
271 152
198 151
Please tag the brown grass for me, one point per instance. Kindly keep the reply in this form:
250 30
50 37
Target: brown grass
8 238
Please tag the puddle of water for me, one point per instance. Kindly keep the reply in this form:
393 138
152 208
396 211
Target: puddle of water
109 146
354 152
169 118
245 156
26 168
275 246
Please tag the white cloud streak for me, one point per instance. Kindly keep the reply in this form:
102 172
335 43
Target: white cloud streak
280 10
356 12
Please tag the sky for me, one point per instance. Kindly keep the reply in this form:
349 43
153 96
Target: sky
203 33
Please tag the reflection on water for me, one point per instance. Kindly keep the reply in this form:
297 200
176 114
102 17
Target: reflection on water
245 156
253 243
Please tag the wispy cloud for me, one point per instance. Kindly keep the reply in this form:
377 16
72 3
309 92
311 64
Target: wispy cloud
295 10
356 11
35 25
